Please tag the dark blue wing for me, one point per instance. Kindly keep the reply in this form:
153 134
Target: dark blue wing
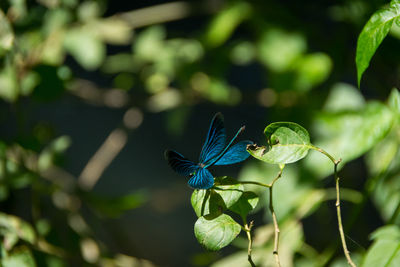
203 179
216 139
235 154
180 164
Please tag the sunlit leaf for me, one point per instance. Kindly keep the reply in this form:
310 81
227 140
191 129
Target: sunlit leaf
9 83
149 44
386 196
57 146
226 22
13 227
311 70
85 47
291 239
382 154
344 97
288 142
385 250
372 35
278 49
6 33
215 233
394 100
20 257
348 135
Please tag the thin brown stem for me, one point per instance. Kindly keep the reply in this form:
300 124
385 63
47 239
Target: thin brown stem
338 211
276 229
255 183
247 228
275 221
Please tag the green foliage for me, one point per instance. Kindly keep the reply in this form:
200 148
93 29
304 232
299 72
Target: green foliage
216 231
375 30
246 203
226 192
277 62
13 228
288 143
385 250
20 257
348 134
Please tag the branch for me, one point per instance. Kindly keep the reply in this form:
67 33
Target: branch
338 211
275 221
346 251
102 158
247 228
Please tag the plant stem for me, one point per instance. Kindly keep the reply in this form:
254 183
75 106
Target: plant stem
255 183
338 211
275 221
276 229
247 228
346 251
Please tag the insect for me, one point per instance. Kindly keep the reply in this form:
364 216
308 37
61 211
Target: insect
215 151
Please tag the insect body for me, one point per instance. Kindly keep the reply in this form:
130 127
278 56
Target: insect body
215 151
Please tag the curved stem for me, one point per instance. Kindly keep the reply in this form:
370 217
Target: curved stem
255 183
338 211
275 221
276 229
247 228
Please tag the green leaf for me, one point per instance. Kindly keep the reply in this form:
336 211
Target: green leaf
311 70
223 195
56 147
206 202
290 243
87 49
386 196
6 33
9 83
246 203
373 34
348 135
14 228
21 257
288 143
344 97
279 49
385 251
224 24
394 100
215 233
382 154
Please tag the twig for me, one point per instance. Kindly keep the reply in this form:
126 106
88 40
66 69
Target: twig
102 158
275 221
255 183
338 211
166 12
247 228
345 250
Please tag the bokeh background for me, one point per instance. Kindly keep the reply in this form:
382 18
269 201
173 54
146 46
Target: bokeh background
93 92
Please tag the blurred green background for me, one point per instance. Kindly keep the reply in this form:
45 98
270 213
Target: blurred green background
93 92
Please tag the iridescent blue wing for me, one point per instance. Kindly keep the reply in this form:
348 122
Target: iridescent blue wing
235 154
180 164
202 179
215 141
